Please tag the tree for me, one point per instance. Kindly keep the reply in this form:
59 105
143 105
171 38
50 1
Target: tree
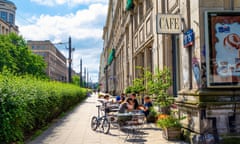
76 80
158 84
16 57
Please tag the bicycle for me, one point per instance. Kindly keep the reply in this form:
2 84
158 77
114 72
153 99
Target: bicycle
100 121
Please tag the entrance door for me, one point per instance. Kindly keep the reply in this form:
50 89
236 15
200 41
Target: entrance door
175 64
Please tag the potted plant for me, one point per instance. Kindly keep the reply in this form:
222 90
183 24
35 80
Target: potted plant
152 117
170 125
158 85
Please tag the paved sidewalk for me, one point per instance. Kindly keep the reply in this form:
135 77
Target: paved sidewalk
75 128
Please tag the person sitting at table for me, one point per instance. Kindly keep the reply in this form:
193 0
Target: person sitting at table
106 102
147 105
126 106
135 102
106 97
122 98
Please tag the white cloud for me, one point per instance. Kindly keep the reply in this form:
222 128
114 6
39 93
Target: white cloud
84 24
79 25
90 60
68 2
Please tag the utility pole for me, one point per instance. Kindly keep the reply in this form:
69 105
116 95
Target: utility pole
70 60
81 73
87 79
85 75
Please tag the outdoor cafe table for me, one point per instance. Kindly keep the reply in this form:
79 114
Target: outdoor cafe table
132 122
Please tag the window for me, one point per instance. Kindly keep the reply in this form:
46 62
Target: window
43 47
140 11
4 16
41 54
11 20
148 5
135 21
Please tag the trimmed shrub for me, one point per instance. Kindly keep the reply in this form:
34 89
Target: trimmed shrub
27 103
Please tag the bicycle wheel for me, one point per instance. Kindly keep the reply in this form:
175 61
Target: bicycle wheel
105 126
94 123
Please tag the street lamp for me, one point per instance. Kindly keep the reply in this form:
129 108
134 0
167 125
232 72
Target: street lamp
69 58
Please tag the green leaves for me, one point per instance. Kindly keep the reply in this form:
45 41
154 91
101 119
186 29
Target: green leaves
27 103
158 85
17 57
169 121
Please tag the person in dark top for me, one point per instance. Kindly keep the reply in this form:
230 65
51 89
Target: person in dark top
135 102
122 98
147 105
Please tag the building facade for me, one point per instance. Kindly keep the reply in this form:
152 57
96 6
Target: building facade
7 17
197 40
56 61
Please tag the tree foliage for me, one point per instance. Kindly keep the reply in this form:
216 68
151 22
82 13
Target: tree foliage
76 80
18 58
158 85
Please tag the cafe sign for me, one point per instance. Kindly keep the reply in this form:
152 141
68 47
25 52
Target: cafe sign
168 24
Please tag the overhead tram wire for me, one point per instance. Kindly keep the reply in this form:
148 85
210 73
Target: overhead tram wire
25 19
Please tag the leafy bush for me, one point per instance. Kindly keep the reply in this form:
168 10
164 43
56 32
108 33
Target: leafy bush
27 103
128 90
168 121
152 115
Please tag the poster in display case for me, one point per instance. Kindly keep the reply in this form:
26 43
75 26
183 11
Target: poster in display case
222 37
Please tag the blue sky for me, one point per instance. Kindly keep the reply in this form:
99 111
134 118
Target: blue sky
56 20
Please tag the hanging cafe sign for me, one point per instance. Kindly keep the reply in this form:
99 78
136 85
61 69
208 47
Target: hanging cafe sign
168 24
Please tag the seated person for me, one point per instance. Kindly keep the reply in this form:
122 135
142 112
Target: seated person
118 99
147 105
122 98
135 102
105 101
126 106
106 97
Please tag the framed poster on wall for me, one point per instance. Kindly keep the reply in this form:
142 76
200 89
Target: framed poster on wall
222 39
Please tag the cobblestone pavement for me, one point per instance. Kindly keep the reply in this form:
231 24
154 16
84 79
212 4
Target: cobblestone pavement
75 128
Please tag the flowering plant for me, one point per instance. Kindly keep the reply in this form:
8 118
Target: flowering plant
166 121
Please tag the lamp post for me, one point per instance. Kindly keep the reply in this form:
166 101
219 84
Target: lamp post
81 79
69 60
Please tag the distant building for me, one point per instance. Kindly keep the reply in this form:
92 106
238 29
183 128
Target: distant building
7 17
56 61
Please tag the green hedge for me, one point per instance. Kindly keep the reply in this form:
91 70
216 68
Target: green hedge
27 103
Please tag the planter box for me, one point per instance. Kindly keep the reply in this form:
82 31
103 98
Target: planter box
171 133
